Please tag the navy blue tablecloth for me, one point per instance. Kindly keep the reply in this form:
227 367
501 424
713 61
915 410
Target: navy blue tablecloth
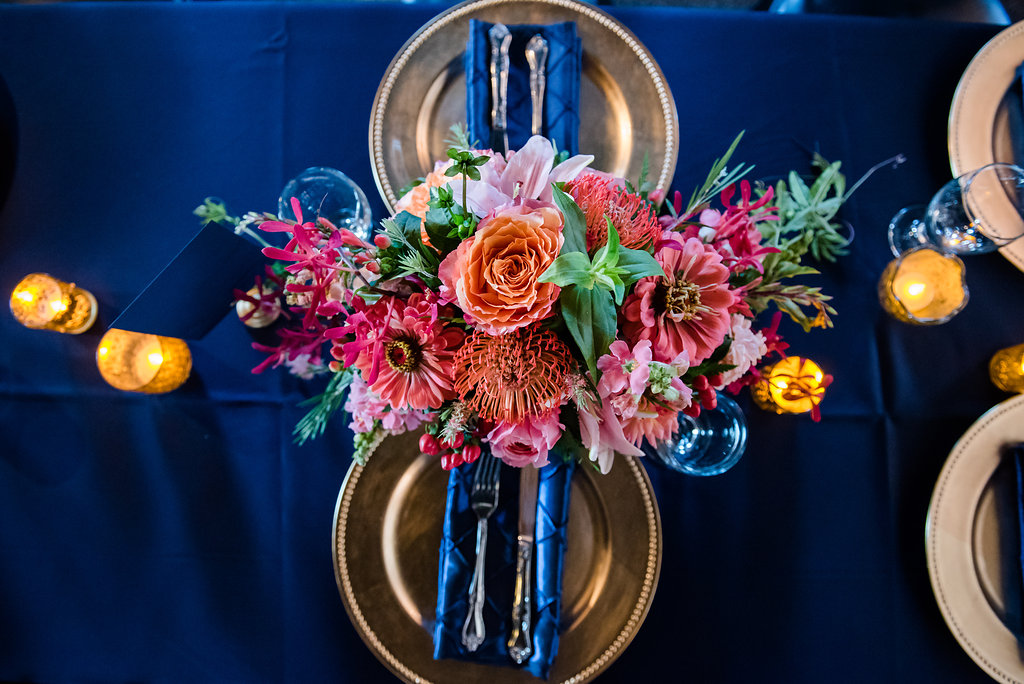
184 538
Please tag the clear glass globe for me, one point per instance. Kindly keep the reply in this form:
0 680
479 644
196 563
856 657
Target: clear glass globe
330 194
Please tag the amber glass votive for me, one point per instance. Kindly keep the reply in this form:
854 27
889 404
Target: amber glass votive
1006 369
139 362
42 302
792 385
923 286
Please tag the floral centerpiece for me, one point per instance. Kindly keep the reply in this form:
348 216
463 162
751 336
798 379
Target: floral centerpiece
529 304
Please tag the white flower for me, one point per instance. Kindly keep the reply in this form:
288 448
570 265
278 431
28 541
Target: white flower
746 350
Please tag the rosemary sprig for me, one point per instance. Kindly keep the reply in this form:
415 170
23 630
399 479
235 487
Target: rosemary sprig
325 405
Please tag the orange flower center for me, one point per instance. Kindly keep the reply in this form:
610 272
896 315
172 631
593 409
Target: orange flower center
402 356
682 301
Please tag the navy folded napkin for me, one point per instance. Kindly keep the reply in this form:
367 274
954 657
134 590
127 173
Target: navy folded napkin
458 555
561 96
1015 115
191 295
1014 577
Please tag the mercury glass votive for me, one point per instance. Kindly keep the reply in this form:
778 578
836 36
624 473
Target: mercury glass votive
42 302
792 385
1006 369
923 286
140 362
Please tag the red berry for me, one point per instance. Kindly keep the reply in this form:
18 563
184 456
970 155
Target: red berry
693 410
709 399
447 462
429 445
453 444
470 452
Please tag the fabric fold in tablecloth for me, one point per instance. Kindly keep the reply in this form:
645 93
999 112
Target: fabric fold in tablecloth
561 96
457 558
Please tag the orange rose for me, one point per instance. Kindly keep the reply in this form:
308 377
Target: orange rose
415 201
493 274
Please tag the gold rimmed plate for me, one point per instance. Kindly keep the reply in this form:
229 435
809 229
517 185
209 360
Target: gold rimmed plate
979 131
387 532
626 107
970 542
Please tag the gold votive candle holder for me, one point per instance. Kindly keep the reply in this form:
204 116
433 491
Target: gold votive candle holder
255 316
140 362
42 302
923 286
1006 369
792 385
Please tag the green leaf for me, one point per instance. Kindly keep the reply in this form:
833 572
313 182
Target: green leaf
574 229
604 321
636 264
571 268
612 246
577 310
590 317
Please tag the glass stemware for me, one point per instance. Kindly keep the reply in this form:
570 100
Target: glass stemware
328 193
975 213
709 444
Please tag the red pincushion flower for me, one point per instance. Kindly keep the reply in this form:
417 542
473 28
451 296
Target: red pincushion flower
633 218
514 376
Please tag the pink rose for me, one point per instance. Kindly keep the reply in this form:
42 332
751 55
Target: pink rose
528 442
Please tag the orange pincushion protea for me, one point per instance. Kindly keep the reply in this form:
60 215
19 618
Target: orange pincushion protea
633 218
514 376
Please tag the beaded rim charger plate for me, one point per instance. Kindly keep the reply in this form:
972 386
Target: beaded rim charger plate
626 108
970 541
979 131
387 533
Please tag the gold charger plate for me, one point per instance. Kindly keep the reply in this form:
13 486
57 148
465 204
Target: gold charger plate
969 539
626 107
387 534
979 132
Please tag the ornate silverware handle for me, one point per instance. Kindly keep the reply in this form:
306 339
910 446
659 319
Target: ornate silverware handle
473 631
537 57
520 641
500 38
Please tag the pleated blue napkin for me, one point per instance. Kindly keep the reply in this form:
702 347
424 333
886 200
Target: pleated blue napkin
1015 115
1014 579
458 548
561 96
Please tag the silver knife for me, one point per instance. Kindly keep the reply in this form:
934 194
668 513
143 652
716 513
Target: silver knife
537 57
500 39
520 640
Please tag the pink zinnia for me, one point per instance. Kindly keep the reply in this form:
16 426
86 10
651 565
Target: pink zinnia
687 309
411 353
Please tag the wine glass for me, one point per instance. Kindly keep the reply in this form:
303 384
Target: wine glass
978 212
709 444
330 194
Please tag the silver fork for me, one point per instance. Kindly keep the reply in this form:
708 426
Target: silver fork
483 499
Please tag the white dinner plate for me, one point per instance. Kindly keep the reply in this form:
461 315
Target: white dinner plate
970 540
979 132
